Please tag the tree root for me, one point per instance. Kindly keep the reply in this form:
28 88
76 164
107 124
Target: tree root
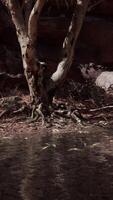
37 112
75 115
75 118
20 110
9 110
3 113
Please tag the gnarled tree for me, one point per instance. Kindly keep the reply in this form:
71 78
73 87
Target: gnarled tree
25 15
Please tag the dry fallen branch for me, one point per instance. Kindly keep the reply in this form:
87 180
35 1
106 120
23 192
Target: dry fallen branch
11 80
4 75
93 5
3 113
102 108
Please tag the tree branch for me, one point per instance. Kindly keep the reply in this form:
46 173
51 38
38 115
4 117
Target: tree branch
33 19
69 44
17 17
92 5
32 33
28 9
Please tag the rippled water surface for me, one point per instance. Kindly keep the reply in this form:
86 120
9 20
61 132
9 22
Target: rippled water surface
63 166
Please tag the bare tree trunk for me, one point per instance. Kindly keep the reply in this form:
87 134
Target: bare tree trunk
27 30
33 68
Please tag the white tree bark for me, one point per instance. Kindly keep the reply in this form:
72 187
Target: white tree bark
69 43
27 36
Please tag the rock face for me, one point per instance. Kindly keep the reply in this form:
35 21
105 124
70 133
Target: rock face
95 73
95 43
105 80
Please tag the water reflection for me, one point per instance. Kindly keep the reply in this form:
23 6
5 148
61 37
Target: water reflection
69 166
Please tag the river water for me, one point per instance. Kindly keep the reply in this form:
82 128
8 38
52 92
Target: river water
76 165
